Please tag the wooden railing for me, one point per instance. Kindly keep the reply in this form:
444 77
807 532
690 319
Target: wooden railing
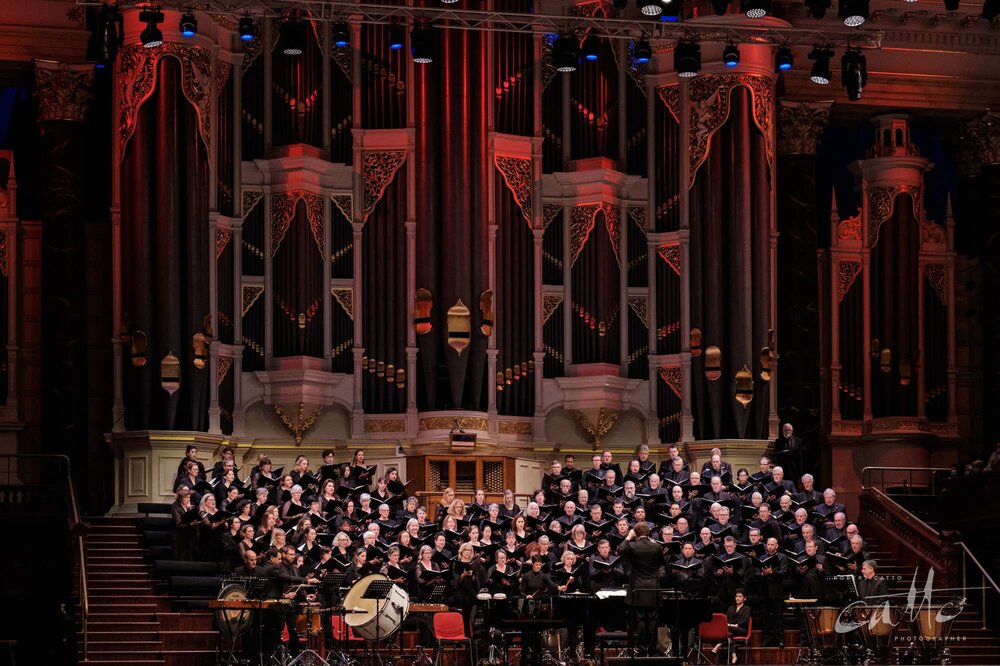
912 540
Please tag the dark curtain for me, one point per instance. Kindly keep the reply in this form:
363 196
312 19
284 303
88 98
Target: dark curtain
730 265
297 278
166 244
894 266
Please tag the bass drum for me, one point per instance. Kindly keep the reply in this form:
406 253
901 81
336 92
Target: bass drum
233 623
376 620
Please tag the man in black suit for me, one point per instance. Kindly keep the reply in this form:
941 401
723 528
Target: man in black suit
788 451
645 560
771 594
872 589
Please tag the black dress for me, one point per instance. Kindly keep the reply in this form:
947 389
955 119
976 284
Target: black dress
740 618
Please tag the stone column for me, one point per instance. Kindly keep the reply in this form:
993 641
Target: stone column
800 126
64 95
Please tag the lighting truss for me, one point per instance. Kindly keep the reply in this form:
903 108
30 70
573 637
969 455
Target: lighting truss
704 29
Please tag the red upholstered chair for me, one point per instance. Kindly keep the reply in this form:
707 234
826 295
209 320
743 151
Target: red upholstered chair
714 631
337 625
449 628
742 641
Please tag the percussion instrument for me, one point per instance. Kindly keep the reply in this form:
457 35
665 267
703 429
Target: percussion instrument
428 608
879 628
536 609
375 619
232 608
821 623
308 620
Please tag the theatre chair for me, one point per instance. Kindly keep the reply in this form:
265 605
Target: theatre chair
449 628
737 641
337 626
714 631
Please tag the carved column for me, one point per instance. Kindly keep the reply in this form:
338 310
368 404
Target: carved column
64 95
800 126
978 143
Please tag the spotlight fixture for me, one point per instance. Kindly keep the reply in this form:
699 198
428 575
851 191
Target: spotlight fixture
188 25
687 59
650 7
854 12
449 2
817 8
756 9
566 53
342 35
396 38
151 37
783 59
671 13
422 45
591 48
854 73
821 68
107 37
991 9
731 55
643 51
248 29
292 37
721 7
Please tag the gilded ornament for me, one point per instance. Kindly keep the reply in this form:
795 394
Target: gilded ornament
225 364
379 168
251 292
549 212
671 253
936 277
63 92
345 298
550 302
605 422
638 305
670 95
301 424
250 200
847 272
345 204
170 373
516 172
515 428
850 229
800 126
880 204
222 238
672 377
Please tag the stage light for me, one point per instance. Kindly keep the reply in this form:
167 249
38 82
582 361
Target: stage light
107 37
854 12
248 29
783 59
721 7
817 8
854 73
151 37
991 9
342 35
188 25
591 49
756 9
687 59
731 55
650 7
292 37
821 68
396 38
422 45
643 51
566 54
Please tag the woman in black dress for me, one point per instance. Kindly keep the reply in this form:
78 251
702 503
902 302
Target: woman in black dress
738 617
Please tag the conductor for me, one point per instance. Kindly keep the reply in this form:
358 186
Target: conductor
645 559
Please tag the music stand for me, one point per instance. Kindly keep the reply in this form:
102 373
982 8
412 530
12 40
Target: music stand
437 593
378 591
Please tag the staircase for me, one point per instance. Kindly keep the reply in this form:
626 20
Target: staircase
123 625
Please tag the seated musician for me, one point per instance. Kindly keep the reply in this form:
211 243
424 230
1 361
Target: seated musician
737 620
872 589
605 570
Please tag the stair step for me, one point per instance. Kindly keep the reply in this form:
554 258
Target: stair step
132 592
91 661
121 627
108 657
98 638
128 647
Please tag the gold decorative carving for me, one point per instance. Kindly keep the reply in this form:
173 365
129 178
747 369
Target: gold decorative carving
978 143
222 70
850 229
550 303
345 204
251 292
222 238
549 212
516 428
385 425
301 424
638 305
283 210
138 80
548 67
931 233
63 92
848 272
709 109
582 223
251 50
225 364
880 203
670 95
342 56
672 377
606 419
345 297
800 125
448 422
671 253
936 276
379 168
516 174
250 200
638 215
